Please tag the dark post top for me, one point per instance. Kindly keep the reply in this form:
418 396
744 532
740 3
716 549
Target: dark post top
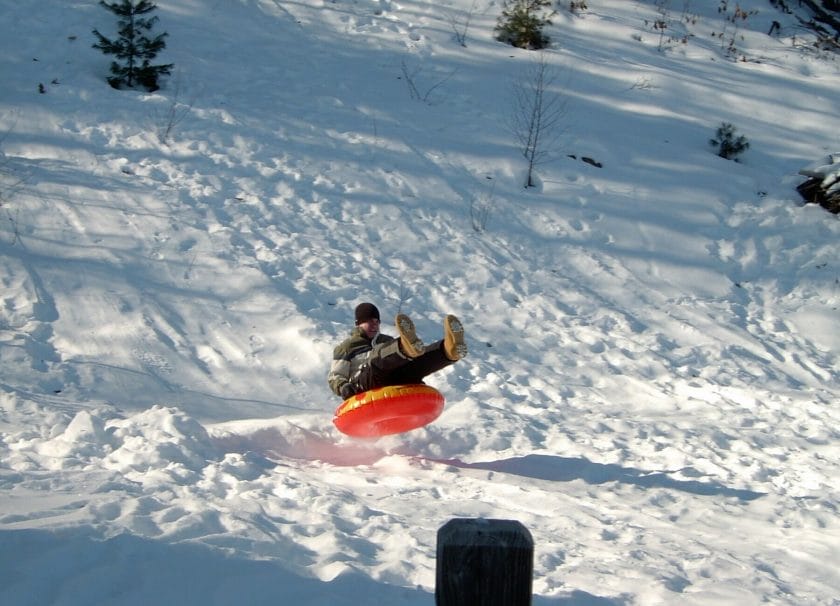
484 562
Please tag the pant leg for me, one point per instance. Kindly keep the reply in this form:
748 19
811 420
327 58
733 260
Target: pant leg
415 370
388 366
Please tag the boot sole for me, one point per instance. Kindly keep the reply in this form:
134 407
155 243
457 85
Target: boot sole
411 343
454 332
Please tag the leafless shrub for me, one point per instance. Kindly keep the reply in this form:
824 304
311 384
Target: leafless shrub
481 206
410 75
460 24
166 120
538 114
11 182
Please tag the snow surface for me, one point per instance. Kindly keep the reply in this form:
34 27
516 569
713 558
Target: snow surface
652 387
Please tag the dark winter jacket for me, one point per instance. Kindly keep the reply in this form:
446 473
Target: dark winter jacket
351 355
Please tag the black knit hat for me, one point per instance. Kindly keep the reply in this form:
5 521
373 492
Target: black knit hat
365 312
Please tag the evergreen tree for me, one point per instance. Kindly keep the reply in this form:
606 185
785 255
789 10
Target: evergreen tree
521 23
133 47
728 145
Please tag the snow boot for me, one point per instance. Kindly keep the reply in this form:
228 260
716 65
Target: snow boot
454 345
410 343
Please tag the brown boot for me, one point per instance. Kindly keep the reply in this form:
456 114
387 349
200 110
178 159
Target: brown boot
410 343
454 345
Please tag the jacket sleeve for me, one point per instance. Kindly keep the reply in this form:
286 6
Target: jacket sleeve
339 374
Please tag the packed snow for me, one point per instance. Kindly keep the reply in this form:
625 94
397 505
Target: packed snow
654 373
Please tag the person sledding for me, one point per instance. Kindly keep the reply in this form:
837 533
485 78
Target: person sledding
369 358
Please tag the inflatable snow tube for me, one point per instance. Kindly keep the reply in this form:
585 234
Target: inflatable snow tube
388 410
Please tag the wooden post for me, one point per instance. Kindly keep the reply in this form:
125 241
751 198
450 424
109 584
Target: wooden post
484 563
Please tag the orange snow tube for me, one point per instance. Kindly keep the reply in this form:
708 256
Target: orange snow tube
388 410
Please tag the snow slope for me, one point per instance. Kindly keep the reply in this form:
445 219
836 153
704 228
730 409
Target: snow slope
654 373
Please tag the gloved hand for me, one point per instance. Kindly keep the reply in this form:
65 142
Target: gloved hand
347 390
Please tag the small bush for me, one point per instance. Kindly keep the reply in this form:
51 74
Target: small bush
521 23
730 37
729 146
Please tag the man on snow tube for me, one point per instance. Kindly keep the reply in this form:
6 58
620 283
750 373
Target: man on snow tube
368 358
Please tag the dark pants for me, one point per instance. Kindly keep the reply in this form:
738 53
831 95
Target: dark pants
388 367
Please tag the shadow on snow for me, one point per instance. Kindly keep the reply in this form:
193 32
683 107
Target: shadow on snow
70 566
564 469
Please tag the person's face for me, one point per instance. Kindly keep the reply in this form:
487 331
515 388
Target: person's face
370 327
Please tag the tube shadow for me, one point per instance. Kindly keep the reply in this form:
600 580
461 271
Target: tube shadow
565 469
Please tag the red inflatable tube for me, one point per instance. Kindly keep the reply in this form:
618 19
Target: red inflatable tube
388 410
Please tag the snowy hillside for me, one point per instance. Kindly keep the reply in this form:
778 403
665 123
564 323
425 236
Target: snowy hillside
654 367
